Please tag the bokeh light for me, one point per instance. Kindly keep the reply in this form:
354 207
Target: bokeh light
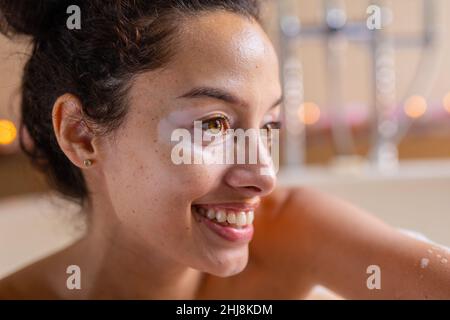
415 107
309 113
8 132
446 102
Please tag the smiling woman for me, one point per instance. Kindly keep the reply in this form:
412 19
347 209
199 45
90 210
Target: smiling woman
100 104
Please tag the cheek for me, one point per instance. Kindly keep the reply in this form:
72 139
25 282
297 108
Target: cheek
142 179
152 197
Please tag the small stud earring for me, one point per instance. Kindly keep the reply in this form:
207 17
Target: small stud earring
87 162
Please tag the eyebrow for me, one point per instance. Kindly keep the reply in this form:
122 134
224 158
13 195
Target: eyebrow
220 94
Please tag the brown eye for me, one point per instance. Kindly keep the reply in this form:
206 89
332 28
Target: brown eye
216 125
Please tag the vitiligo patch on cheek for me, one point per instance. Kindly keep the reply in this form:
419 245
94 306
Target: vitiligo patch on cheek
164 131
235 146
185 149
222 151
186 152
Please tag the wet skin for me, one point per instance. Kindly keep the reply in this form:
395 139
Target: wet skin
145 240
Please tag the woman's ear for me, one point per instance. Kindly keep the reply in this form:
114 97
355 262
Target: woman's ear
74 136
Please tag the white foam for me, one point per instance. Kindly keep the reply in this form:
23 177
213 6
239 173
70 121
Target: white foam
424 263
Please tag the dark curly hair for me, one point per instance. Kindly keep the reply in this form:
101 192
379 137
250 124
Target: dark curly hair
117 40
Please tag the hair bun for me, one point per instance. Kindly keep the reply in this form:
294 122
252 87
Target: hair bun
34 18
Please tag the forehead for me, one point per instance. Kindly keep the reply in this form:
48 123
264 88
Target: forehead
232 37
225 49
221 50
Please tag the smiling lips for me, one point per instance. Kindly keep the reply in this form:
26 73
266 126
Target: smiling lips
228 217
232 222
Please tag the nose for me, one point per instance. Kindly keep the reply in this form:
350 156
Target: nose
249 182
252 178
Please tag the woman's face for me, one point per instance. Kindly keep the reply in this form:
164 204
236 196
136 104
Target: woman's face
224 73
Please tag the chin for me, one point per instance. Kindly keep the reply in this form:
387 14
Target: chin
228 265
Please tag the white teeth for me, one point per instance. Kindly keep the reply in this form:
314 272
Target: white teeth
231 218
221 216
211 214
250 217
241 219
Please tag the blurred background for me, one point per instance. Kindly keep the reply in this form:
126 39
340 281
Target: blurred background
381 94
367 115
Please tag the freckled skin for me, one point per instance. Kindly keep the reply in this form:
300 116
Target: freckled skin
143 241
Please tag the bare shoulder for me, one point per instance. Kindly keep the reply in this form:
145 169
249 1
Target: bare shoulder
283 244
320 215
287 203
291 211
31 282
14 286
280 217
298 230
9 289
286 220
335 242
